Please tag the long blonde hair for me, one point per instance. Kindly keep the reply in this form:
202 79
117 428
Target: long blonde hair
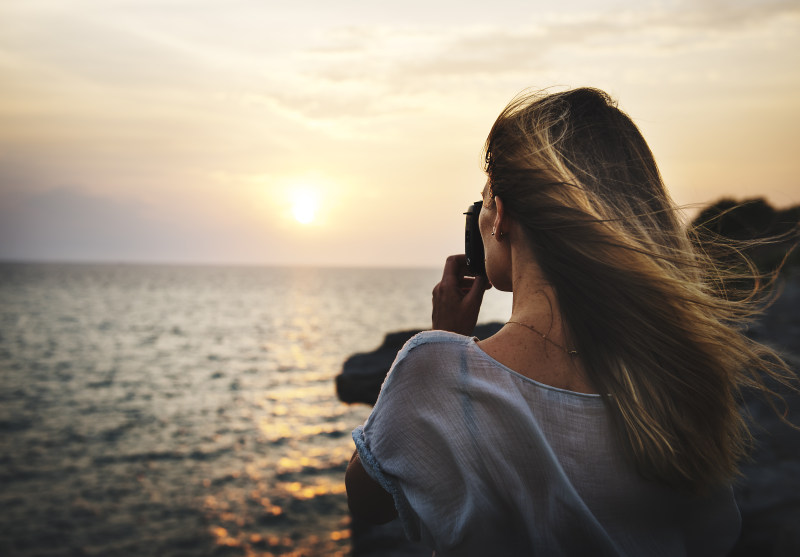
647 310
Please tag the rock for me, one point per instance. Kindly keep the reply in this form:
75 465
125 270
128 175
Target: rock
768 493
363 374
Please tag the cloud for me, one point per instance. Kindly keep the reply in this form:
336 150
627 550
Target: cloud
726 14
636 32
145 100
66 224
81 49
361 72
321 71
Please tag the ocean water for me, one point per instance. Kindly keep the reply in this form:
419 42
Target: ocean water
173 410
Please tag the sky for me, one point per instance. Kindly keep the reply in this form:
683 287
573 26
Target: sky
350 132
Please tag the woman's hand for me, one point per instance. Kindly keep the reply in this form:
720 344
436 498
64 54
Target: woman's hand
457 298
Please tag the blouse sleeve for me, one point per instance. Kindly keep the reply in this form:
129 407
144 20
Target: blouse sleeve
416 443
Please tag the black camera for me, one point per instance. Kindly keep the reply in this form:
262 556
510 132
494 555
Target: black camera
473 244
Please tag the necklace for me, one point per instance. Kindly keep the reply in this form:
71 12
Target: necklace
544 336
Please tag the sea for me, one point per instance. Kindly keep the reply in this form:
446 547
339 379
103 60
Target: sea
187 410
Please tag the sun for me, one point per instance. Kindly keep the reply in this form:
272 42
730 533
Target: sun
305 203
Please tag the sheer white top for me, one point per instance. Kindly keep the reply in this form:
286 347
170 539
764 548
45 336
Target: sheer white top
482 460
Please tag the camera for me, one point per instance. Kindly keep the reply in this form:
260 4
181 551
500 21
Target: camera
473 244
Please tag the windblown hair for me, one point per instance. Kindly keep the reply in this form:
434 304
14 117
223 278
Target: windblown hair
646 309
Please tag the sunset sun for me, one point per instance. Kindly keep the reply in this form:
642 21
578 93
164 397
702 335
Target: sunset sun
304 206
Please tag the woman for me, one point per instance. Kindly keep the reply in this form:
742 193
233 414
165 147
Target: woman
602 418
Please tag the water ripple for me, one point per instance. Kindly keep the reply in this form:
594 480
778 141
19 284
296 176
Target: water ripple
184 411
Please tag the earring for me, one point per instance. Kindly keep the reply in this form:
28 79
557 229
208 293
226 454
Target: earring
492 232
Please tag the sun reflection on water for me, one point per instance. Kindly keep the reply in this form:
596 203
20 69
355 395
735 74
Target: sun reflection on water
260 528
287 495
197 403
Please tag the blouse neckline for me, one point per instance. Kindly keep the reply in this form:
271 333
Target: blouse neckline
474 344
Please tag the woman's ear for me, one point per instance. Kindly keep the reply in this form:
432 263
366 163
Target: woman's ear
499 224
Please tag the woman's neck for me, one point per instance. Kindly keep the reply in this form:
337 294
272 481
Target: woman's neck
534 301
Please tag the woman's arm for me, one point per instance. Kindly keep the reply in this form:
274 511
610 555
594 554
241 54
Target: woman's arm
456 302
367 500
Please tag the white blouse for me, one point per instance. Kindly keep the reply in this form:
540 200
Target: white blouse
481 460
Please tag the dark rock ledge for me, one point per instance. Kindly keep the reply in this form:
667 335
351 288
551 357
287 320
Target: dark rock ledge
768 492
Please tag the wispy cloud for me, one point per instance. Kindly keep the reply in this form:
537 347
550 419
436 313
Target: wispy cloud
361 65
152 100
335 71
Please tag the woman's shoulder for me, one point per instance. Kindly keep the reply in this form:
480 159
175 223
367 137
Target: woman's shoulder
434 344
429 355
436 338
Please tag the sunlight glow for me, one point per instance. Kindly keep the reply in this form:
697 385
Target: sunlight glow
193 124
304 206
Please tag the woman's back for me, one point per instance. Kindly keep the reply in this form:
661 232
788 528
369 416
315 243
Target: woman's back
611 299
481 458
